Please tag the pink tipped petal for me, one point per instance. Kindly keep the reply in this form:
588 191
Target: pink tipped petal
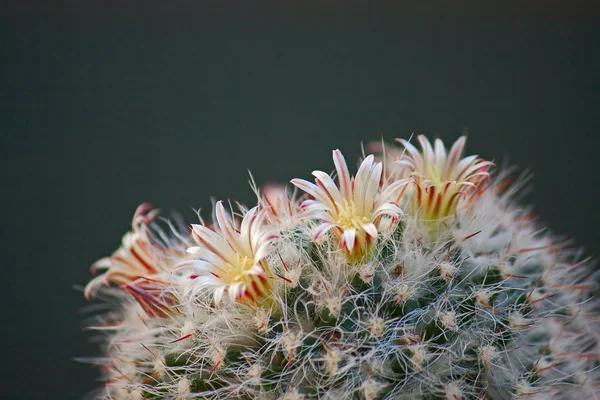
393 191
343 174
257 270
390 209
91 289
213 242
416 160
258 233
206 281
371 230
461 168
372 187
322 229
205 254
479 175
103 263
361 182
234 291
439 152
427 149
226 225
307 186
328 185
143 215
469 173
218 294
262 251
311 205
455 153
315 213
196 265
314 191
245 236
349 238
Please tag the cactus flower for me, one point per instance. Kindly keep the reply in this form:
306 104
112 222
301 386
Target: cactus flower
353 208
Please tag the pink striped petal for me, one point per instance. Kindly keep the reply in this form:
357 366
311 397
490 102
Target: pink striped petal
439 152
328 185
343 174
314 191
371 230
361 182
218 294
323 228
226 226
455 153
349 238
372 188
428 155
416 160
213 241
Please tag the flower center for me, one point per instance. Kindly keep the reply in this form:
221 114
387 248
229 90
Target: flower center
348 217
237 272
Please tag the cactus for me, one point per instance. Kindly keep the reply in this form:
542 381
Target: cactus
420 277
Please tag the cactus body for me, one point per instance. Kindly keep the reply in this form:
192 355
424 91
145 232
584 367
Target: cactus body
418 278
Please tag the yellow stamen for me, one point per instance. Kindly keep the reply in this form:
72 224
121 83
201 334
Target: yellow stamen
348 217
237 272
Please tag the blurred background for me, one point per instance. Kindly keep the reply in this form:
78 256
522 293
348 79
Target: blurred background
105 106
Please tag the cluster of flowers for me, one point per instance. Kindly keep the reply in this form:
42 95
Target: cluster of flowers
419 277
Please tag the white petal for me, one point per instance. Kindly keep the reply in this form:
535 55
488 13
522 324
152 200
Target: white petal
315 191
361 181
246 230
196 265
323 228
415 158
343 174
468 173
390 209
261 234
262 251
264 237
455 153
371 230
393 192
93 286
207 281
205 255
103 263
256 270
234 291
349 238
458 172
372 187
311 205
427 149
328 185
309 213
226 225
219 292
439 153
213 241
479 174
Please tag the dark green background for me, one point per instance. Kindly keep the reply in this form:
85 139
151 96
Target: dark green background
104 107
